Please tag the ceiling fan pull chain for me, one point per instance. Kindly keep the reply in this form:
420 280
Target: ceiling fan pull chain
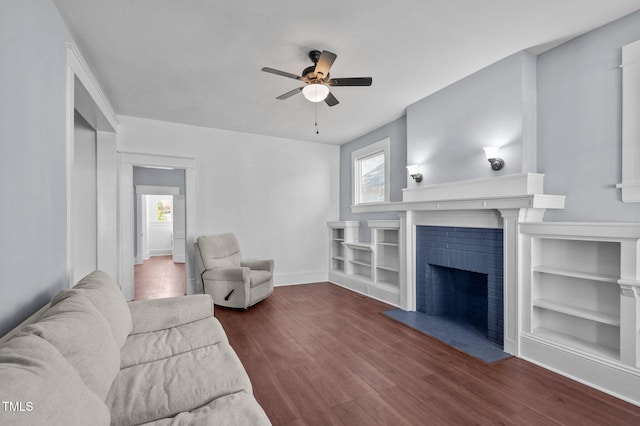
316 117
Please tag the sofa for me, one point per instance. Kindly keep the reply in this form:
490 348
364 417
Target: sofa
91 358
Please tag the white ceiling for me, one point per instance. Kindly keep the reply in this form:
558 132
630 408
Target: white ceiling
198 61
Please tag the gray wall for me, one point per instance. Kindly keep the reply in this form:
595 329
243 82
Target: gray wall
579 123
558 114
397 132
158 177
32 157
447 130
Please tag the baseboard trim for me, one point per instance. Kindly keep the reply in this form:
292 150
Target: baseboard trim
365 287
618 381
280 280
160 252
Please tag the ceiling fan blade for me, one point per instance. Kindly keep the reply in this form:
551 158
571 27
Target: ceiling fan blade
331 100
352 81
324 63
290 93
282 73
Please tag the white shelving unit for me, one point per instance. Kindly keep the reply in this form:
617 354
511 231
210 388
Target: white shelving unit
359 259
385 239
581 299
575 293
368 268
339 233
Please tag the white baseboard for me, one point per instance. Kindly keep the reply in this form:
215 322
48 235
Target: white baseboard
160 252
299 278
365 287
615 379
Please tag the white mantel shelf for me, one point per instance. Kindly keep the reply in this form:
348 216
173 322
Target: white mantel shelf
519 191
527 201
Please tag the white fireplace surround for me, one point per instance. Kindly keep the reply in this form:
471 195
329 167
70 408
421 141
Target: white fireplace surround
500 202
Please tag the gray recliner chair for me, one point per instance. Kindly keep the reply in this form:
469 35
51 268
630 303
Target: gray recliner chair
226 278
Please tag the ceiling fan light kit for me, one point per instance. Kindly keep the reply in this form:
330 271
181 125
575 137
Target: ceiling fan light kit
317 79
315 92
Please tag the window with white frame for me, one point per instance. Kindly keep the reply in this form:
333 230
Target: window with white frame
163 210
370 173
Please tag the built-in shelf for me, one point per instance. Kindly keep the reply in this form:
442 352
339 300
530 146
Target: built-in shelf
371 268
388 268
574 343
576 274
581 293
339 232
577 312
358 246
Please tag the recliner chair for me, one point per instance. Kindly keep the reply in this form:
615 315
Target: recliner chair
226 278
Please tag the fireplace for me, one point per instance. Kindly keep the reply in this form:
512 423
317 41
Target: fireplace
459 275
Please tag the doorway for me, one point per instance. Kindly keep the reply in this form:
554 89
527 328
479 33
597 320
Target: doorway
160 234
146 174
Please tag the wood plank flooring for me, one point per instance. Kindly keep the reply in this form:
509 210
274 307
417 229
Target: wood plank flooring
318 354
159 277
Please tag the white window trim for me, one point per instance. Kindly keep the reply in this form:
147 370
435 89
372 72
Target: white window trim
384 146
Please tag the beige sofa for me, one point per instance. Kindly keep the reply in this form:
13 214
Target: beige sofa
91 358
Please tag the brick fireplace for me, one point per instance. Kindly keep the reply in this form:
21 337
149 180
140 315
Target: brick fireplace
459 275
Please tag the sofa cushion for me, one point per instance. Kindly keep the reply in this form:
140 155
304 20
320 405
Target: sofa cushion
238 408
84 338
184 382
155 345
37 378
108 299
159 314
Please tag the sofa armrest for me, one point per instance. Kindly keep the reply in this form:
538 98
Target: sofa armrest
259 265
159 314
228 274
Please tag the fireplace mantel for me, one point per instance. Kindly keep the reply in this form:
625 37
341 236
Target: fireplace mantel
519 191
500 202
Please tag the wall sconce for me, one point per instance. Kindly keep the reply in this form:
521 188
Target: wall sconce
415 174
492 156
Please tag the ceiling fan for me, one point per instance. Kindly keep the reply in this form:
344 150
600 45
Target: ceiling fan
317 79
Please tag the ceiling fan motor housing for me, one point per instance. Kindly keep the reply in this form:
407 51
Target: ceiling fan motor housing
309 72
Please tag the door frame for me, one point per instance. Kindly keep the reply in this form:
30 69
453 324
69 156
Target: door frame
126 162
85 95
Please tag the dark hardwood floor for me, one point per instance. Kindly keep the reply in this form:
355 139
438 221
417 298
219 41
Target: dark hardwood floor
318 354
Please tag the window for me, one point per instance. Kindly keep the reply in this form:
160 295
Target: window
370 167
164 210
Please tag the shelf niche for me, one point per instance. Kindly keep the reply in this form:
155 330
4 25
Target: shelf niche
371 268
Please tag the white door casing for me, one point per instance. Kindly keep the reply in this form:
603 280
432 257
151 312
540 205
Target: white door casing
179 234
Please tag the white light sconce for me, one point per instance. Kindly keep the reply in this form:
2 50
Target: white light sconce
315 92
491 152
414 172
